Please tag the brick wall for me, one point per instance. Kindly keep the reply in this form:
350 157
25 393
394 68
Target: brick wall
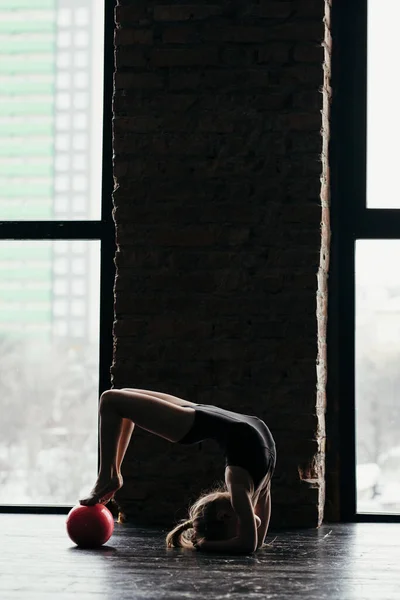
217 204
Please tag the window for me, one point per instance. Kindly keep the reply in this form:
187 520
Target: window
56 247
364 281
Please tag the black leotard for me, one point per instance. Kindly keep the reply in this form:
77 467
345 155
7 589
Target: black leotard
245 440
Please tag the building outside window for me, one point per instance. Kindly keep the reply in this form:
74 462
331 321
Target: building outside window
51 112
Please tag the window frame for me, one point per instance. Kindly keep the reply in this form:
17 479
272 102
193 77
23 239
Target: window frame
102 230
351 221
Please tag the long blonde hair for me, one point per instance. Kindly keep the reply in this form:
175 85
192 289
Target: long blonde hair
203 522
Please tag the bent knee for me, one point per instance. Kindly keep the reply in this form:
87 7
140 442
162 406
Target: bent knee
106 399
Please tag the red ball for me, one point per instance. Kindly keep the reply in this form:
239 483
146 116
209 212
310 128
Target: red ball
90 526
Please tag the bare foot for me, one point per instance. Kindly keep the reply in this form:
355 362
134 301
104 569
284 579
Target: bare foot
103 491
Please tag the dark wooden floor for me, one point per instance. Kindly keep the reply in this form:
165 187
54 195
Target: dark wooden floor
346 562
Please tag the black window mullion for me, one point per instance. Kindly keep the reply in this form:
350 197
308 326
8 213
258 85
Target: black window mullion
348 202
378 223
52 230
107 250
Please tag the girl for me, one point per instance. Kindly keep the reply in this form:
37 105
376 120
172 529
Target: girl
232 519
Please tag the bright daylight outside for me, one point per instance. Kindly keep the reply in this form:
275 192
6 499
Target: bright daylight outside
378 282
51 61
51 86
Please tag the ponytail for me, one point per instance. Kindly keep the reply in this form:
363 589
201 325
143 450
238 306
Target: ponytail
178 538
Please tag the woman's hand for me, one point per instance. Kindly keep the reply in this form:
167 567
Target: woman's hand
198 543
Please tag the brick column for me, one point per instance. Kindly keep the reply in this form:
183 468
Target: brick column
220 293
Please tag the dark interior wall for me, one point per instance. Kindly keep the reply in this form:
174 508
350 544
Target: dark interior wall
217 205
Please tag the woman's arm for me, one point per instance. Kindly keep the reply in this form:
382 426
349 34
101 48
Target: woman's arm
246 538
263 511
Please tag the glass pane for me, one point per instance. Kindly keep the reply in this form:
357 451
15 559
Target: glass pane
49 365
378 375
51 109
383 118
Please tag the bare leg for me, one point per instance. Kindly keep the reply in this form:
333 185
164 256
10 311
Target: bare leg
123 443
162 396
128 425
109 480
155 415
